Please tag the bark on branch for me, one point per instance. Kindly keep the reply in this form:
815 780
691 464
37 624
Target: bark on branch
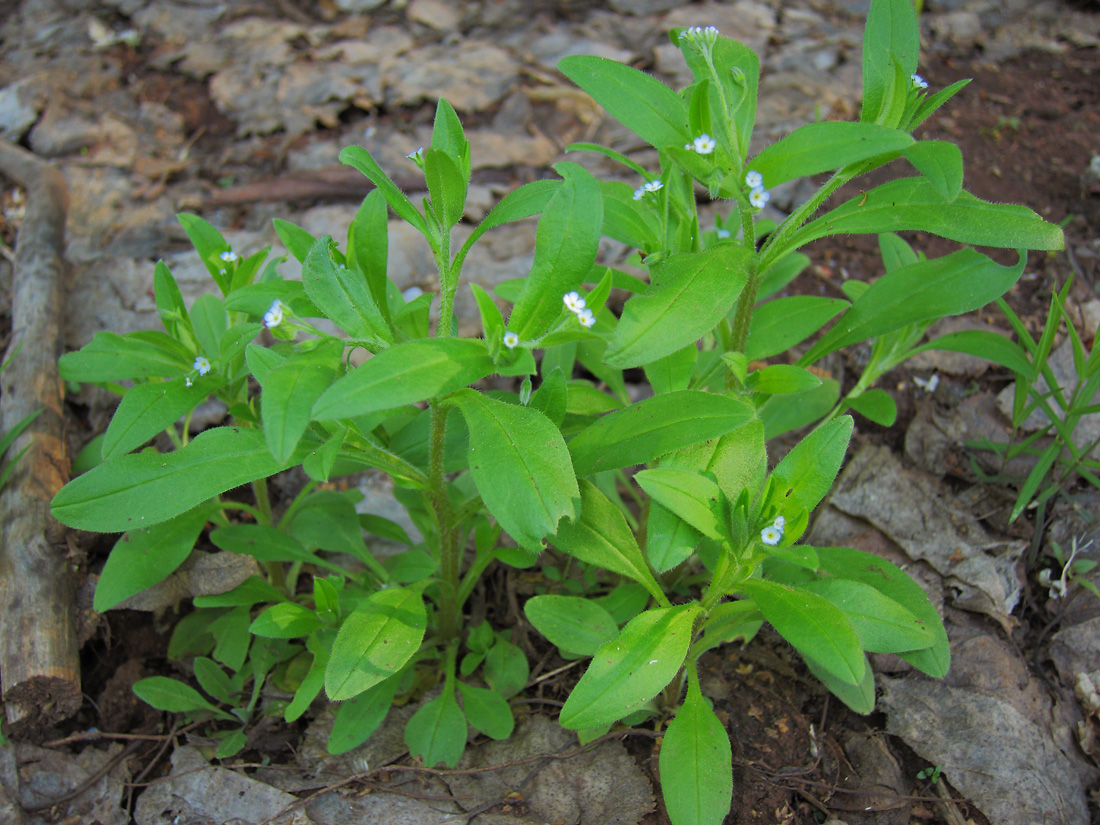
39 665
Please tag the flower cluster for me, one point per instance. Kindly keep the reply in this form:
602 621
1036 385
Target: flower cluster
646 188
758 195
575 304
704 145
701 39
773 534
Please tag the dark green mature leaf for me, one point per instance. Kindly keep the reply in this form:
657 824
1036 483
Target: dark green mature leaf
343 295
565 249
524 202
209 243
175 697
437 732
691 293
359 717
148 488
148 409
632 668
890 39
521 466
813 625
781 324
807 472
883 625
265 543
405 374
696 764
923 291
574 624
289 393
360 158
327 519
986 344
375 641
602 537
487 711
142 558
644 105
860 698
941 162
368 246
112 357
297 241
824 146
915 203
654 427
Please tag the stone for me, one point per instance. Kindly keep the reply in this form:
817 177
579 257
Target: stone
19 108
358 6
641 8
471 80
434 14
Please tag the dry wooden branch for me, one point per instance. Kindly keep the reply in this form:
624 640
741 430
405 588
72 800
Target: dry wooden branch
39 667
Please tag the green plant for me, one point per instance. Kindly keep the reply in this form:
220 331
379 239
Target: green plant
1072 570
490 476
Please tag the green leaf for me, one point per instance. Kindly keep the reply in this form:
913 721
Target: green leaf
690 495
669 540
821 147
602 537
883 625
941 162
625 221
266 544
171 308
297 241
446 186
992 346
437 732
784 414
696 764
343 295
779 325
654 427
327 519
209 323
487 711
252 590
448 136
149 409
806 473
289 393
148 488
565 249
375 641
877 405
142 558
506 669
915 203
256 299
359 158
360 716
406 373
860 698
521 466
673 372
524 202
175 697
368 246
574 624
814 626
112 357
779 274
782 379
631 669
924 291
642 104
691 293
890 38
209 243
213 679
286 620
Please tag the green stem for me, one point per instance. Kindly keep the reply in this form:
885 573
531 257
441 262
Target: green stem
263 501
774 247
450 546
745 305
297 503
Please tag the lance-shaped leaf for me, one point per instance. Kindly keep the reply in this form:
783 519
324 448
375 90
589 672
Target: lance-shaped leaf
574 624
632 668
360 158
368 246
696 764
890 39
145 489
521 466
691 293
781 324
285 620
437 732
645 106
821 147
112 357
814 626
342 294
918 292
916 203
602 537
289 393
992 346
148 409
446 186
806 473
360 716
142 558
941 162
524 202
266 544
860 698
657 426
565 249
405 374
487 711
883 625
691 496
176 697
375 641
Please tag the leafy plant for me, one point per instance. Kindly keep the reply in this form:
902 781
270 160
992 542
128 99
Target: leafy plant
491 476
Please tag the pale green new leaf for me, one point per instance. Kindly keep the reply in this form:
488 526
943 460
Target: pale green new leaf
691 496
890 38
632 668
289 393
359 717
806 473
286 620
941 162
343 295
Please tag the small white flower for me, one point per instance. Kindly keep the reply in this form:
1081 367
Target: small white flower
723 234
586 318
928 385
779 523
510 340
918 81
202 364
228 256
416 156
704 144
412 293
771 536
758 197
639 194
573 301
753 180
221 271
188 382
652 186
274 316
